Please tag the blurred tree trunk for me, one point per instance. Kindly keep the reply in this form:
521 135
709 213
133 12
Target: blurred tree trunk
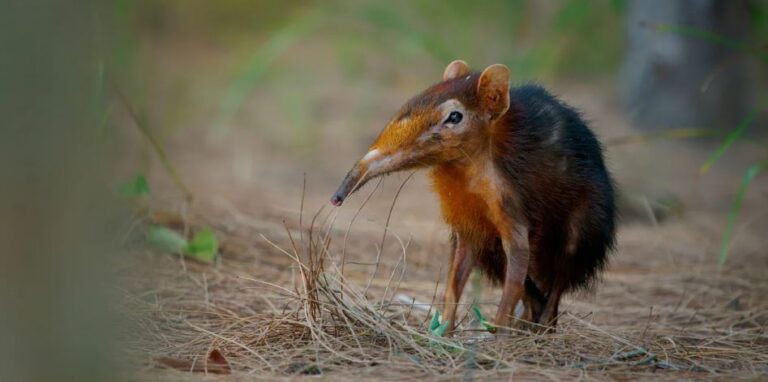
56 208
672 80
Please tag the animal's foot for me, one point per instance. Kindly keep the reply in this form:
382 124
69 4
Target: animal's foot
534 327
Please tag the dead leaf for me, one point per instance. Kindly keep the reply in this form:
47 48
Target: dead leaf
216 363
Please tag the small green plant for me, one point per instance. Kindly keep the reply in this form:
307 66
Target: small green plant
484 323
435 327
749 176
135 188
165 239
735 209
437 342
204 245
733 213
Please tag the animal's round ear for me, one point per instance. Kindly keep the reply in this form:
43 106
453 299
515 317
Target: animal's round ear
455 69
493 89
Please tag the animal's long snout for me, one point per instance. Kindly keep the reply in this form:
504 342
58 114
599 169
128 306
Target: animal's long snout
373 164
357 176
350 183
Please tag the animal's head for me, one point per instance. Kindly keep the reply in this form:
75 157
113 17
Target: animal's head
442 124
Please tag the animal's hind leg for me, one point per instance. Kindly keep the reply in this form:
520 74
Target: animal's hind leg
550 313
534 301
529 305
514 280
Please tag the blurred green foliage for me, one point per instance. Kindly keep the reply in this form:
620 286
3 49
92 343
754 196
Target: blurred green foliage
289 68
294 53
757 49
758 13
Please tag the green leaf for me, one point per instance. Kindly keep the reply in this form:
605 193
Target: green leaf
733 214
439 331
135 188
204 246
165 239
436 327
435 321
483 322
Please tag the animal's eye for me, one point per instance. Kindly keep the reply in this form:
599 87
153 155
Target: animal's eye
454 118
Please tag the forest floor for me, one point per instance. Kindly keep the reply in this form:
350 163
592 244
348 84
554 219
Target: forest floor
663 310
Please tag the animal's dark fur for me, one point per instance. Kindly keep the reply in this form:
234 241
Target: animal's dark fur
548 172
561 183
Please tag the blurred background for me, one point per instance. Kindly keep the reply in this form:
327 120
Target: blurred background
245 99
278 89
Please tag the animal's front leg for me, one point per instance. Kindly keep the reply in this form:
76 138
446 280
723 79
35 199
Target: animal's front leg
458 274
514 281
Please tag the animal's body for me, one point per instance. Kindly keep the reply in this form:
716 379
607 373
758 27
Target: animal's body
521 181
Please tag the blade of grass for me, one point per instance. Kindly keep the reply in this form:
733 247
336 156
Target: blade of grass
156 145
733 214
733 136
668 134
280 41
407 33
715 38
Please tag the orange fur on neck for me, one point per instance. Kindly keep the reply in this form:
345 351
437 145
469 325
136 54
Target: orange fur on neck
465 210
